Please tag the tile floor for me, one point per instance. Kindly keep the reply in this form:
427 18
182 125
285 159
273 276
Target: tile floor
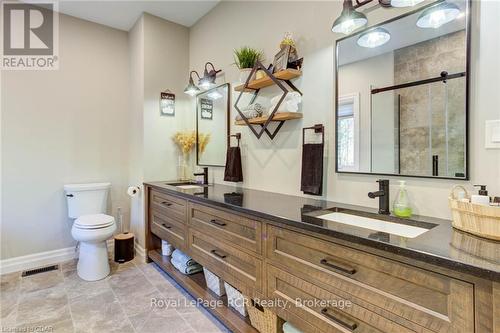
60 302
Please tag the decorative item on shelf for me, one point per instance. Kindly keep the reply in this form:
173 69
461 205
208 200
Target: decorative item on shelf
281 59
277 79
185 141
245 59
167 103
288 41
205 82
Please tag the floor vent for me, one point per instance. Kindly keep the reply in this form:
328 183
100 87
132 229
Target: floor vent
40 270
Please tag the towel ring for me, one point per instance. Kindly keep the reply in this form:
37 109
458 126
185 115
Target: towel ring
318 128
237 136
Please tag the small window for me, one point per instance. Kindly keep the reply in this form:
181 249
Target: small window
348 133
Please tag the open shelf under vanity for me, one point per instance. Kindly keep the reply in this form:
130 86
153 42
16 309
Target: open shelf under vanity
196 286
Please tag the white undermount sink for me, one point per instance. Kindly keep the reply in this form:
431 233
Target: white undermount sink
398 229
189 187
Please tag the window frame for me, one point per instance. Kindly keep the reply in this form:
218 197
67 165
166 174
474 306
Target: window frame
351 98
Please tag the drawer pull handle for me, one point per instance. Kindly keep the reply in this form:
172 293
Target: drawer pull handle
217 222
166 226
218 254
339 267
166 203
345 322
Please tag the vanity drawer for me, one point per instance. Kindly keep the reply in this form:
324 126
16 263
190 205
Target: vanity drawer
172 206
169 229
396 290
240 269
235 229
329 311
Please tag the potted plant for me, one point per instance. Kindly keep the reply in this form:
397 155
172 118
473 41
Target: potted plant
245 58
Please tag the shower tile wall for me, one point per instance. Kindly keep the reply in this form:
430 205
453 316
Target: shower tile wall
423 107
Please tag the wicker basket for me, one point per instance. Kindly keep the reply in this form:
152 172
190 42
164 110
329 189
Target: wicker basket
263 319
479 220
214 282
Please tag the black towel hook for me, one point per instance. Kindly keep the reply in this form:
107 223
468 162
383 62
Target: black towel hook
237 136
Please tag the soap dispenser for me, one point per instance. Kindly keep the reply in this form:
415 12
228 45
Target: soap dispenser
402 206
482 197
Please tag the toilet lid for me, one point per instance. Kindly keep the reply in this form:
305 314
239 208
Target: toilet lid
94 221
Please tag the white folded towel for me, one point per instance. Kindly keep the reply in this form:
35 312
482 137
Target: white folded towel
289 104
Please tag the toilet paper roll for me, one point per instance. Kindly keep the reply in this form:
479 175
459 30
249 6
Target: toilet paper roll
166 248
133 191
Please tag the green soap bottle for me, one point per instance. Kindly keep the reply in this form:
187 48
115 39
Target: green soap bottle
402 207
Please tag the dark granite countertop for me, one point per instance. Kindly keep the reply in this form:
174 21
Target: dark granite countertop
442 245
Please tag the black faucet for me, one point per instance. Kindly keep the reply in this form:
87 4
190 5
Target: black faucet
204 174
383 196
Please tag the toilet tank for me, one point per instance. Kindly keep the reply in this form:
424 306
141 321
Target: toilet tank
84 199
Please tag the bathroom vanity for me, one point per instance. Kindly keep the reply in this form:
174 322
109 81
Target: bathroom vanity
423 277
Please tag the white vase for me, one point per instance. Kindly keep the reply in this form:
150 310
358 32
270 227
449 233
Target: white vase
244 72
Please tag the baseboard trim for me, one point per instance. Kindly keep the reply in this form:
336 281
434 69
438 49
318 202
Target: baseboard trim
40 259
36 260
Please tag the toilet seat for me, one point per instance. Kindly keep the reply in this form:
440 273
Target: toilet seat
94 221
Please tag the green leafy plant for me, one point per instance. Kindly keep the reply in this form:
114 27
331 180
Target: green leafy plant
246 57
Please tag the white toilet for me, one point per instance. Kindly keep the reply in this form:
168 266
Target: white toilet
87 204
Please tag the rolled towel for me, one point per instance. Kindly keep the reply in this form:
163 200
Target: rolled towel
191 269
289 104
183 258
253 110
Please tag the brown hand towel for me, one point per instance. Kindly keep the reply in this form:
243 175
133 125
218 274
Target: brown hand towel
312 169
233 171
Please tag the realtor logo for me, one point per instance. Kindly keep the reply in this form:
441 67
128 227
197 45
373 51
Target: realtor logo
30 36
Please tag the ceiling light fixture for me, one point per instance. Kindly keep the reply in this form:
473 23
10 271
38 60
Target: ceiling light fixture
191 88
349 20
438 15
208 79
374 38
405 3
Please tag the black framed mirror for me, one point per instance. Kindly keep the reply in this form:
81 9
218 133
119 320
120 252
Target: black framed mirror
212 125
402 95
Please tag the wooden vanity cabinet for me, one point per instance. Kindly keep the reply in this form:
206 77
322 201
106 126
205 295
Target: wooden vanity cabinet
264 259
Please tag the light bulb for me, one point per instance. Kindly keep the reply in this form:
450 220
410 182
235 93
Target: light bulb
438 15
374 38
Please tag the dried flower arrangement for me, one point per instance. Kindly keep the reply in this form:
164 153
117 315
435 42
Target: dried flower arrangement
185 141
203 140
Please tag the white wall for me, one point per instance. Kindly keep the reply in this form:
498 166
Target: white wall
216 35
136 127
159 56
166 66
63 126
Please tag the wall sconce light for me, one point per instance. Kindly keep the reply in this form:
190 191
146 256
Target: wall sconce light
205 82
349 20
191 88
208 79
